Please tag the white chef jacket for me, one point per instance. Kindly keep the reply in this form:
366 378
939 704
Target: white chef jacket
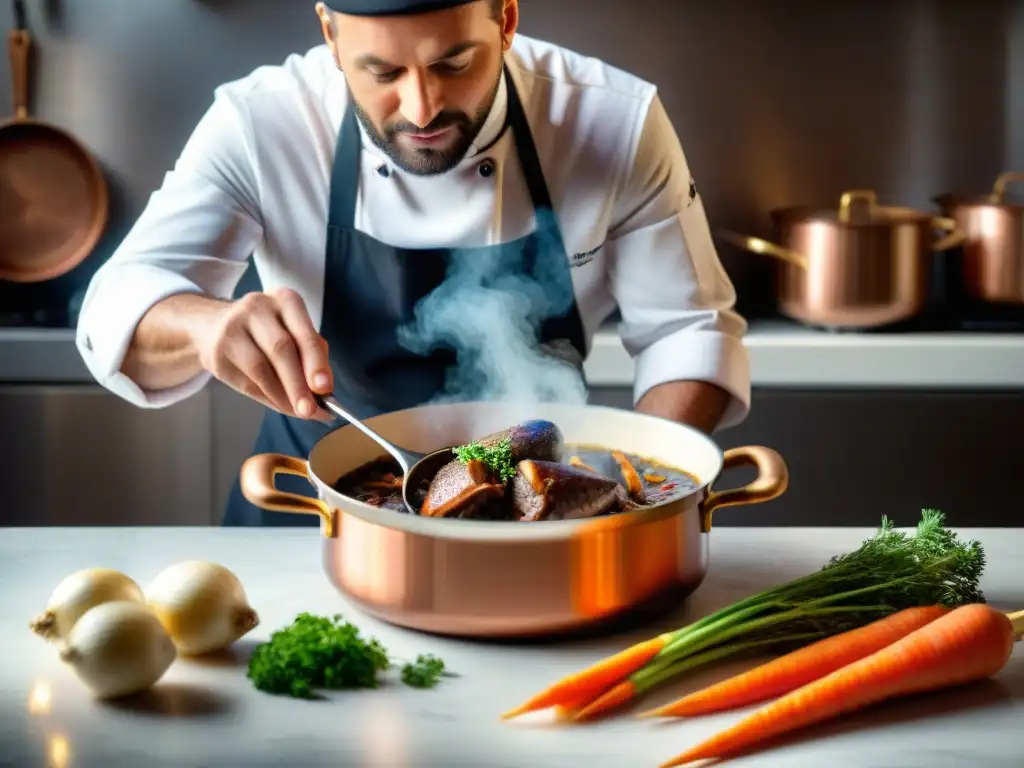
253 179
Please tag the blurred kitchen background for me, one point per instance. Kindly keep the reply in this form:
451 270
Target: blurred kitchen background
777 104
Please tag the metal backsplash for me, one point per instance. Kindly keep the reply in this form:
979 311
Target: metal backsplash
776 102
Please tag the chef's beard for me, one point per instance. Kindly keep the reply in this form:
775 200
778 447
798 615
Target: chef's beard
428 161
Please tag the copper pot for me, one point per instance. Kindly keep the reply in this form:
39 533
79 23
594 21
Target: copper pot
496 578
993 250
858 266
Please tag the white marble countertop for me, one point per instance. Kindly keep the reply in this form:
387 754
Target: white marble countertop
782 355
210 715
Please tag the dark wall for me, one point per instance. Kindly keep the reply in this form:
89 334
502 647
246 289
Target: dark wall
856 455
776 102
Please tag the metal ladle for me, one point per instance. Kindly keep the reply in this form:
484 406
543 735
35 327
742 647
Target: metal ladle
416 467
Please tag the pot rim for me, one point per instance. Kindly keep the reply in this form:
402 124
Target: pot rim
953 201
882 217
507 530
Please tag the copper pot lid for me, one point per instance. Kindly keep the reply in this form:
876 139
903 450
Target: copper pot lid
857 208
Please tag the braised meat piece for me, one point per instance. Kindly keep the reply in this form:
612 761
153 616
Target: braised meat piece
547 490
538 440
461 490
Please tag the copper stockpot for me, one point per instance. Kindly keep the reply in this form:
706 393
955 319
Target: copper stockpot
861 265
507 579
993 251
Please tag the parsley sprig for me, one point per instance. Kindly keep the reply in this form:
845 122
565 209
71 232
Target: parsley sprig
425 672
328 653
497 457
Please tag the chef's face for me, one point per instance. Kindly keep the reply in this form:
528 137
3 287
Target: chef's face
423 85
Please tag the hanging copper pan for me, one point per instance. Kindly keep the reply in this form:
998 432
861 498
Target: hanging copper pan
993 263
860 265
54 200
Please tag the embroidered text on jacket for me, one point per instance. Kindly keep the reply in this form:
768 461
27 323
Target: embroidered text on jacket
580 259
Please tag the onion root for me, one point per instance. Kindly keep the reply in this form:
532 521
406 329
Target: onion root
44 625
246 620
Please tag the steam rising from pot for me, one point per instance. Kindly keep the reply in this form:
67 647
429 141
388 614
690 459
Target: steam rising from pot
490 309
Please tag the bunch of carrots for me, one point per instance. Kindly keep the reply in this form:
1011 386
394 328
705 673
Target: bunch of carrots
914 651
899 615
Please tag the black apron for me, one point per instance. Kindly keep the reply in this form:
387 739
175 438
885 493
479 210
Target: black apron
371 293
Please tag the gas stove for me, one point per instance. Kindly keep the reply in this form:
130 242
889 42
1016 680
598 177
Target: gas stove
59 317
51 304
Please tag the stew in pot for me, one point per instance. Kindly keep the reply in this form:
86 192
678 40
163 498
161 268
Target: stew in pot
526 473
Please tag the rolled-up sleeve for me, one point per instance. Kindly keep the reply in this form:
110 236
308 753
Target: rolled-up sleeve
194 236
675 298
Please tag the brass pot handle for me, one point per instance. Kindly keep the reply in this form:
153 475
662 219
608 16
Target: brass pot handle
19 45
852 196
1002 182
257 484
757 245
771 482
954 237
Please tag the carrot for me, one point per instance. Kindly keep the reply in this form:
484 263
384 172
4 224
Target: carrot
802 666
574 691
633 483
568 711
626 690
577 462
969 643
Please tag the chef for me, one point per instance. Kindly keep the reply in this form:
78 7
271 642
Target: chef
436 207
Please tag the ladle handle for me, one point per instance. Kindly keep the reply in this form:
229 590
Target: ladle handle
330 403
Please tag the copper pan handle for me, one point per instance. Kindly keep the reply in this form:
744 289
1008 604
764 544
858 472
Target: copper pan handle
771 482
848 198
257 484
757 245
954 237
19 43
1002 182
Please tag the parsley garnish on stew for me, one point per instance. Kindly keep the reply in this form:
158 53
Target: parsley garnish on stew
497 457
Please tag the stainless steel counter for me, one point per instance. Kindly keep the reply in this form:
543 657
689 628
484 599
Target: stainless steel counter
77 455
41 356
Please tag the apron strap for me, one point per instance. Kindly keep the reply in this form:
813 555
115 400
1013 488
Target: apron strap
345 173
525 148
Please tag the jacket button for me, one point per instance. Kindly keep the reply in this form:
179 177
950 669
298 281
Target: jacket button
383 171
487 168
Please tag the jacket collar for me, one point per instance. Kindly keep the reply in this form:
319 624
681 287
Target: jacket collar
492 130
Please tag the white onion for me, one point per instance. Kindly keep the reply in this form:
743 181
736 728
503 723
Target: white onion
79 592
119 648
203 606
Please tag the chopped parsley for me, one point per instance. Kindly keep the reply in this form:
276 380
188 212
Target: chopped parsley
329 653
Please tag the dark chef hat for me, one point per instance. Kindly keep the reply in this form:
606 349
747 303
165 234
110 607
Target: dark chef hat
391 7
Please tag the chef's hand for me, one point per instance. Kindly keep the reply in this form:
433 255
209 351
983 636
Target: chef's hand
265 346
